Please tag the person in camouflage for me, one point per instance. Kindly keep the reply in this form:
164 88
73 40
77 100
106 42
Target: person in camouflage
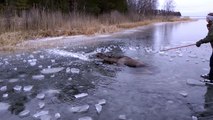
208 39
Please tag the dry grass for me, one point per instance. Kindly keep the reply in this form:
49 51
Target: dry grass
43 24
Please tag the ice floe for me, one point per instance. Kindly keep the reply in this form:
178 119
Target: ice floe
3 88
13 80
85 118
41 105
28 88
79 109
57 116
102 102
52 70
98 108
41 113
38 77
195 82
183 93
24 113
17 88
81 95
40 96
75 70
122 117
5 95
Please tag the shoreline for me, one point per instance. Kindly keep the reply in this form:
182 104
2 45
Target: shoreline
30 44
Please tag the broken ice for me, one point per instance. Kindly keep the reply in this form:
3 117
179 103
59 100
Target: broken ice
51 70
102 102
13 80
57 115
79 109
184 94
3 88
28 88
98 107
24 113
195 82
38 77
41 105
75 70
17 88
81 95
40 96
41 113
122 117
5 95
85 118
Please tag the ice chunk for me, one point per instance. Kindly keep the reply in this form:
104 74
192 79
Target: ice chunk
52 76
122 117
40 96
28 88
194 118
53 61
193 56
184 94
52 70
180 55
17 88
85 118
75 70
81 95
32 63
40 66
57 116
41 56
38 77
170 60
41 113
102 102
13 80
41 105
70 79
15 69
195 82
98 107
4 106
52 92
79 109
24 113
68 70
5 95
3 88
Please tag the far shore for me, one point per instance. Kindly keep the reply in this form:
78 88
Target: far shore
12 40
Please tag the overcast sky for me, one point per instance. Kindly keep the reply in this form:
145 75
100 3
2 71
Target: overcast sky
192 7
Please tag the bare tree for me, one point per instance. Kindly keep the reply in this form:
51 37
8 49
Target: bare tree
169 5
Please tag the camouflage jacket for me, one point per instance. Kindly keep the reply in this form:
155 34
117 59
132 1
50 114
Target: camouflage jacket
209 37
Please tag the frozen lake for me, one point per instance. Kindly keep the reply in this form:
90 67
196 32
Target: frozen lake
69 83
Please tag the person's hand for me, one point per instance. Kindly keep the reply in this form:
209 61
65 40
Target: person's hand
198 43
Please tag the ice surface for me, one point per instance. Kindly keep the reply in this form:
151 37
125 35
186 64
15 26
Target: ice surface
28 88
75 70
79 109
85 118
52 70
4 106
24 113
68 70
81 95
38 77
98 107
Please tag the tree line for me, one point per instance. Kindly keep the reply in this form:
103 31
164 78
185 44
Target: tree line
96 7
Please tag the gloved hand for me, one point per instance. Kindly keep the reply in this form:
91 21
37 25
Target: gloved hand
198 43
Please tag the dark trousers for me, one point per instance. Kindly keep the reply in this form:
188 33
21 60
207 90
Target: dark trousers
211 67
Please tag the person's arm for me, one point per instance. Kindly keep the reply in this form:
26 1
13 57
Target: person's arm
208 38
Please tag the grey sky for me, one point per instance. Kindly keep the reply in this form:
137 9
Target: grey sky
192 7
